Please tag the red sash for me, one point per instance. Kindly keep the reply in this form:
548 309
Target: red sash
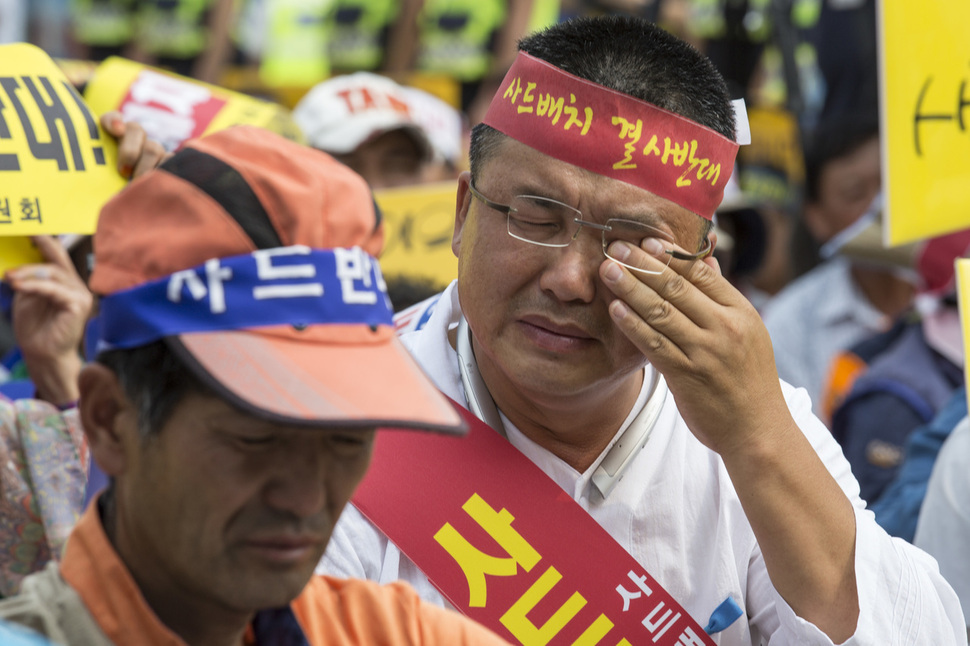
509 548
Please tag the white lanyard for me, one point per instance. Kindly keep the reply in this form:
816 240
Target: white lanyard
618 457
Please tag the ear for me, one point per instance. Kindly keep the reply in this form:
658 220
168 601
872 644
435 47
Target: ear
462 204
709 259
107 416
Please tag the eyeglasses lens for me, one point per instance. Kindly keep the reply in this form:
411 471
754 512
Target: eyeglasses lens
541 220
634 233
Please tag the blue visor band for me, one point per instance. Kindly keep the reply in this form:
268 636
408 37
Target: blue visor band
296 286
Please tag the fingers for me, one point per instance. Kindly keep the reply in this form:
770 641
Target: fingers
25 273
129 148
59 266
689 286
55 280
137 154
661 349
53 251
681 316
152 156
658 328
68 297
113 123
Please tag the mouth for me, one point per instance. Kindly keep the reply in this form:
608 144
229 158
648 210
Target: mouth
553 336
283 550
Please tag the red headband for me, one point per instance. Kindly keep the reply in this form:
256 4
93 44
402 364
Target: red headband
613 134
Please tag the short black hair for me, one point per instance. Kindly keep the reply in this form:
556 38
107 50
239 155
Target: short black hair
833 139
633 56
154 379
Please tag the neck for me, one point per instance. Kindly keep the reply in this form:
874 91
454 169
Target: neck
197 624
887 292
576 428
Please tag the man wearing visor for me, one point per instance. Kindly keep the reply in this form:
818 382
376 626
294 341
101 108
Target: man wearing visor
246 357
590 326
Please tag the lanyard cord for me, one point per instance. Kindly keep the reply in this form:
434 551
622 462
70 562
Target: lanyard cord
619 456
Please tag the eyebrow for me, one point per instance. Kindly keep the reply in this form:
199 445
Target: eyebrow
643 215
638 213
535 190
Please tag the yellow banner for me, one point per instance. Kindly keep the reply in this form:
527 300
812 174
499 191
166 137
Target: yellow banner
57 167
174 108
925 84
419 222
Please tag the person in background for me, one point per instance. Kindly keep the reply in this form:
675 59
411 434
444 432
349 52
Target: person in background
842 300
101 28
367 121
470 41
43 456
904 384
394 136
447 131
190 37
898 509
753 240
943 528
47 476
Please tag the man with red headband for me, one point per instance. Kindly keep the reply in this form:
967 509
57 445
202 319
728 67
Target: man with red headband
590 326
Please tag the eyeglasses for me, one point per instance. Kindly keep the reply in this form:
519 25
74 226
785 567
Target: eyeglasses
550 223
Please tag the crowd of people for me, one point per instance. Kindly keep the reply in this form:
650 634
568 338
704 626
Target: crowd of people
703 346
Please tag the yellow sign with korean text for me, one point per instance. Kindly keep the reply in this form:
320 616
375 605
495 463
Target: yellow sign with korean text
925 103
418 223
173 108
57 166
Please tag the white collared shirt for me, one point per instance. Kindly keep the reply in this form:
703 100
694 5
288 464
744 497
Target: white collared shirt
677 513
813 319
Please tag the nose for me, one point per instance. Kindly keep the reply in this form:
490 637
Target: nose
299 485
572 272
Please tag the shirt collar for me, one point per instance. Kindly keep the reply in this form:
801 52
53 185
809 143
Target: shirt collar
92 567
575 483
844 300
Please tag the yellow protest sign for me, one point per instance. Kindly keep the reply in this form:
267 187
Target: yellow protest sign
173 108
418 222
925 102
57 167
16 251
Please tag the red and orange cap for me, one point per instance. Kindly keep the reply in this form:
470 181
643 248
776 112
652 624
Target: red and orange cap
246 195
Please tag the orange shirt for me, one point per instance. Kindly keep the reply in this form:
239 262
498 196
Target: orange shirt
334 612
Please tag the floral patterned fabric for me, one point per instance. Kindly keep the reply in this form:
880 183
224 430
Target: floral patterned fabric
43 470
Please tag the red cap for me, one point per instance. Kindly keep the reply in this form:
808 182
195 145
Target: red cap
244 189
